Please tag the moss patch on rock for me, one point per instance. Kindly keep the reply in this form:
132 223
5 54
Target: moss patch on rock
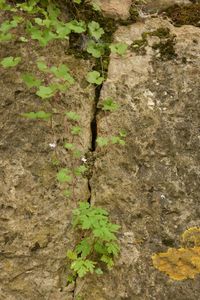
185 15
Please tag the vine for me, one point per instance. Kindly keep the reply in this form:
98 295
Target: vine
43 23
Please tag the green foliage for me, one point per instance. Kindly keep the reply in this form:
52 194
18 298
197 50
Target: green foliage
100 240
30 80
118 48
109 105
95 30
10 61
37 115
77 1
44 23
75 130
64 175
45 92
94 77
101 141
73 116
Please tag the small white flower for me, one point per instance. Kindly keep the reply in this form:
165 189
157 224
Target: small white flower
84 160
52 145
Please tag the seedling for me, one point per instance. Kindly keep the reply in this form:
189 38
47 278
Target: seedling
94 77
95 30
9 62
99 243
118 48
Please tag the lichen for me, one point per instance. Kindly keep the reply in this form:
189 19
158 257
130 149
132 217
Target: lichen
181 263
185 15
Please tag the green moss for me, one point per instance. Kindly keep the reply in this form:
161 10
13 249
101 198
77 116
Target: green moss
185 15
138 46
134 15
161 32
166 48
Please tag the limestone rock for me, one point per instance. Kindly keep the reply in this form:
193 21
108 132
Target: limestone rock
151 185
115 8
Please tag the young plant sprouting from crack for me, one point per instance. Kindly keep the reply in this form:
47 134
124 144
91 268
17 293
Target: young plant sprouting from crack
70 176
108 105
58 78
10 61
99 244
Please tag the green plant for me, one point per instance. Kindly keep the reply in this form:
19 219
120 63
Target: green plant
59 80
94 77
119 48
42 23
95 30
9 62
99 244
109 105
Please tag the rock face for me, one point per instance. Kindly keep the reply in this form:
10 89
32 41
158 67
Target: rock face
115 8
150 186
35 217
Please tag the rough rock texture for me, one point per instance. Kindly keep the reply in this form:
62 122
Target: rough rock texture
157 5
115 8
35 230
151 186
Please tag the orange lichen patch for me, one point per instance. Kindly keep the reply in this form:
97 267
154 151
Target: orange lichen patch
181 263
192 235
178 264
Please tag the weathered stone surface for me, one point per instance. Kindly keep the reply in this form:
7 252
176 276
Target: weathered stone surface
154 6
151 186
35 218
115 8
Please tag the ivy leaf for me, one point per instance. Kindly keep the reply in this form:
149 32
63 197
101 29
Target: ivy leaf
77 26
77 1
69 146
94 77
80 170
118 48
102 142
30 80
97 50
45 92
77 153
62 72
109 105
117 140
63 176
62 30
37 115
10 61
4 37
123 133
95 30
76 130
73 116
42 66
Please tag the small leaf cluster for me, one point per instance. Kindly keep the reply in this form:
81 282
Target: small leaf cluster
99 244
66 175
59 80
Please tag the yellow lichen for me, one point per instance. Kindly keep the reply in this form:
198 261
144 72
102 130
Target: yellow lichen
181 263
192 235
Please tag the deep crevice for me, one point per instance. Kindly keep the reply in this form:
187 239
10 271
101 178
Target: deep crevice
94 120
